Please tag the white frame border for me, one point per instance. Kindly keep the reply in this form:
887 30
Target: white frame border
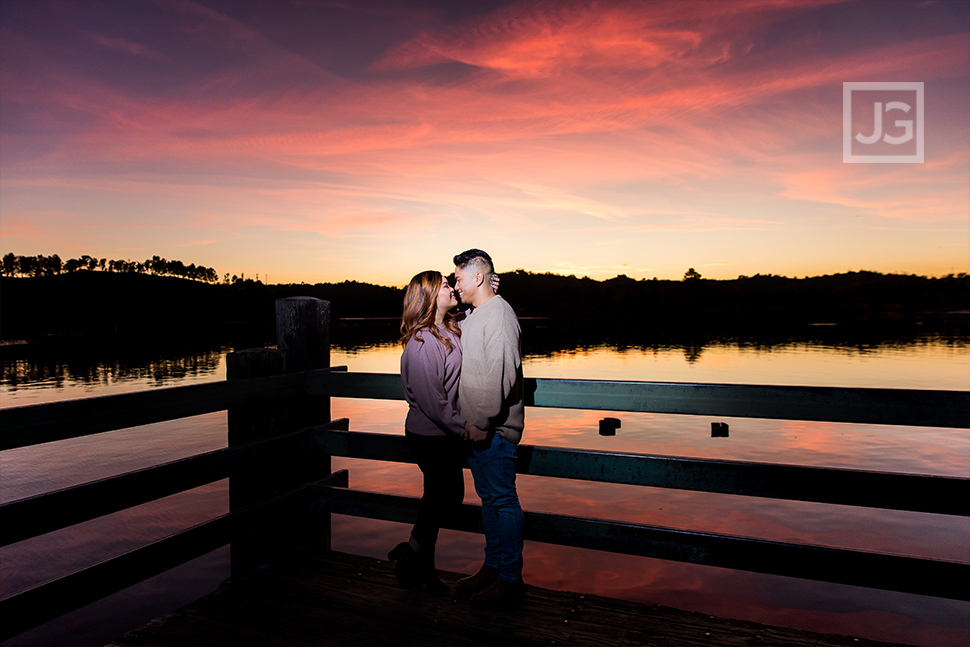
847 89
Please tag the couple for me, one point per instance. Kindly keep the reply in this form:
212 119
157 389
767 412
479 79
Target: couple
481 414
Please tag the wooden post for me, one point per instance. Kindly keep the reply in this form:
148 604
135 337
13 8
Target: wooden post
303 333
303 336
249 484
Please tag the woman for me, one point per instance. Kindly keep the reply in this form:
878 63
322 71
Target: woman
430 368
434 428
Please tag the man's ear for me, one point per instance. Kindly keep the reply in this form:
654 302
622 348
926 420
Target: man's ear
479 278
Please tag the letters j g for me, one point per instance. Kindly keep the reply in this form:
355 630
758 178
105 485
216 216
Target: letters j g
905 124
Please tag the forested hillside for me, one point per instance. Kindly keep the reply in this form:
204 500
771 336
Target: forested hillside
132 304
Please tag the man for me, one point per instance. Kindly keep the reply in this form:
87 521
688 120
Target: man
491 395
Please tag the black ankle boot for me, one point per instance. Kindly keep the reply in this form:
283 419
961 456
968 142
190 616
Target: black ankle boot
407 568
430 575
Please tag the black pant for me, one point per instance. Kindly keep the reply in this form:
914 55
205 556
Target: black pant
441 459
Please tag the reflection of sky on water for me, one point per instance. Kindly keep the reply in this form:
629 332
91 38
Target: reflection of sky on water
927 363
28 471
49 375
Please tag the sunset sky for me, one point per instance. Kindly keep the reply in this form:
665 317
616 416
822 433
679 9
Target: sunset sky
309 141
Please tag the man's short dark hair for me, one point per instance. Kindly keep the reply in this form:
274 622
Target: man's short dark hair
472 256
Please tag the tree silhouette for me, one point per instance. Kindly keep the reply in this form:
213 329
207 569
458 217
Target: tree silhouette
29 265
11 264
691 274
53 265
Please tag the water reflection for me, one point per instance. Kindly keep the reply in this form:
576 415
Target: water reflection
930 361
901 354
56 366
605 350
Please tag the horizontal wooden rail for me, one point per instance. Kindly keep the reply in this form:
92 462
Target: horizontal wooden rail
912 407
36 515
43 423
914 492
842 566
50 600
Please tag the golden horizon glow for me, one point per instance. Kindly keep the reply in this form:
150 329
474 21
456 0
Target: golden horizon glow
319 143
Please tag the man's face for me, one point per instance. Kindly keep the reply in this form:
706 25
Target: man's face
465 283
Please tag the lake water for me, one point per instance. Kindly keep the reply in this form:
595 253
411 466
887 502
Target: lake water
824 356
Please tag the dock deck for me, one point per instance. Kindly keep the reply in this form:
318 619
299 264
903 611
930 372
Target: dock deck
320 598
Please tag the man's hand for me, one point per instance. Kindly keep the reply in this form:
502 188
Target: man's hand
474 434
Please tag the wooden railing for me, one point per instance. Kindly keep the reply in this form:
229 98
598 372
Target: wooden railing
282 490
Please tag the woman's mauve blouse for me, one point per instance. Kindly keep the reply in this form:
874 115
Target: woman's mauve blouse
430 372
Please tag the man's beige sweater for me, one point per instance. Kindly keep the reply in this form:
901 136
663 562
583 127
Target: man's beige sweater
491 390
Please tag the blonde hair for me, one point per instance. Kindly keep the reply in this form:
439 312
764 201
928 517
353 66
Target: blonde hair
420 307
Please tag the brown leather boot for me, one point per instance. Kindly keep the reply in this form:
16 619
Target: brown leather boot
501 593
468 586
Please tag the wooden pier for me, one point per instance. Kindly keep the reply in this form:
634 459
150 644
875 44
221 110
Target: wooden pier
282 493
320 598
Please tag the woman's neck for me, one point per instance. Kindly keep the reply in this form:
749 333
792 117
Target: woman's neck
439 318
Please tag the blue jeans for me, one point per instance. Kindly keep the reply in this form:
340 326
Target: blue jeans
493 469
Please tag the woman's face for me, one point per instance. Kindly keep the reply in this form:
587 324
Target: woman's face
446 297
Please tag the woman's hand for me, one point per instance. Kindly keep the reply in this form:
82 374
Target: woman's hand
474 434
494 283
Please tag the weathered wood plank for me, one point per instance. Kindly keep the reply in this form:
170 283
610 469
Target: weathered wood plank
913 407
914 492
43 423
887 490
922 576
340 599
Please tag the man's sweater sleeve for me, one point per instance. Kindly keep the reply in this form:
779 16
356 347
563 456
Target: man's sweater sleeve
424 378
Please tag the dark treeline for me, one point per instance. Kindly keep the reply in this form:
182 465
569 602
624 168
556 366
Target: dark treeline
140 305
829 298
14 265
134 305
